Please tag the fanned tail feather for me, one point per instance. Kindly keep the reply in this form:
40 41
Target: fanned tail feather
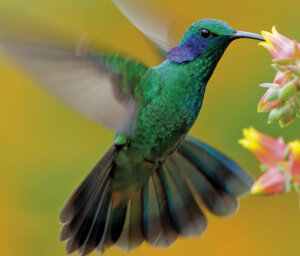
157 226
186 216
132 234
84 215
214 198
219 169
167 206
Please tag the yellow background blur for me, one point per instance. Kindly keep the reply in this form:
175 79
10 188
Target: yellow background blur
46 149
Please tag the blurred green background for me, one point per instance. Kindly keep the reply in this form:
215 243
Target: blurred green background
46 149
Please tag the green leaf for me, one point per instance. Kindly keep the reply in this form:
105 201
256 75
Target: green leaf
264 168
286 115
277 67
273 95
287 90
284 62
273 116
269 85
295 70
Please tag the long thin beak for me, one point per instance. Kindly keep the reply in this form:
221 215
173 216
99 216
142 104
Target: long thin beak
242 34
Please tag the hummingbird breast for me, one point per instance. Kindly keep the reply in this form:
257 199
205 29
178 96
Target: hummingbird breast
166 118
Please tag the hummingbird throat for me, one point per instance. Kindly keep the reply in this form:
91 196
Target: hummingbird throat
191 49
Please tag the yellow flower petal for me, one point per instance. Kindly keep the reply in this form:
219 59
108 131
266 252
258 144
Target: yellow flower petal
256 189
295 147
251 138
275 32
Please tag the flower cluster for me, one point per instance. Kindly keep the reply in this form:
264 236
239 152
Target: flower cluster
280 162
282 98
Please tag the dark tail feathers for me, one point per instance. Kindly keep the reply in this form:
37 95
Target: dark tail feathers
166 207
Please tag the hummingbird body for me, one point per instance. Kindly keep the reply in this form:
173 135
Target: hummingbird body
155 176
172 98
170 111
151 183
172 103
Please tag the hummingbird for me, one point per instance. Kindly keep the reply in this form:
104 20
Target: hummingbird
153 181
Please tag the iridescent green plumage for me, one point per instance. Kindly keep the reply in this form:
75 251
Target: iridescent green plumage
168 99
151 182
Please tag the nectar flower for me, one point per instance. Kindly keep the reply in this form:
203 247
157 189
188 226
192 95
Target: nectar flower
282 98
280 47
270 183
283 95
281 167
268 150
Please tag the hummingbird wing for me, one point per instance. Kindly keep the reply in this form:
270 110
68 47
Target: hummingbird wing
95 84
150 20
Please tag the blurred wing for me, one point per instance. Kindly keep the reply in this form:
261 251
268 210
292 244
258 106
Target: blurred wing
89 82
151 21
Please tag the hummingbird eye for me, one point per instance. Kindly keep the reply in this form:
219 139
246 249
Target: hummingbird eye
206 34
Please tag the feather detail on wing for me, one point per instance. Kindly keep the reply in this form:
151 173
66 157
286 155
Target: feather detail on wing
95 84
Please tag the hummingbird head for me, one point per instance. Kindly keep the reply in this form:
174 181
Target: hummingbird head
206 38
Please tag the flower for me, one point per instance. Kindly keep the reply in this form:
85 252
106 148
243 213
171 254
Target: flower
264 105
295 159
270 183
282 98
280 47
268 150
280 162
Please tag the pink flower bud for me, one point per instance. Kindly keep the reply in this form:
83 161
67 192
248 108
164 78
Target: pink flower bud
280 78
264 106
269 183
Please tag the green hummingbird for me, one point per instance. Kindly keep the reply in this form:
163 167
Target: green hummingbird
150 184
